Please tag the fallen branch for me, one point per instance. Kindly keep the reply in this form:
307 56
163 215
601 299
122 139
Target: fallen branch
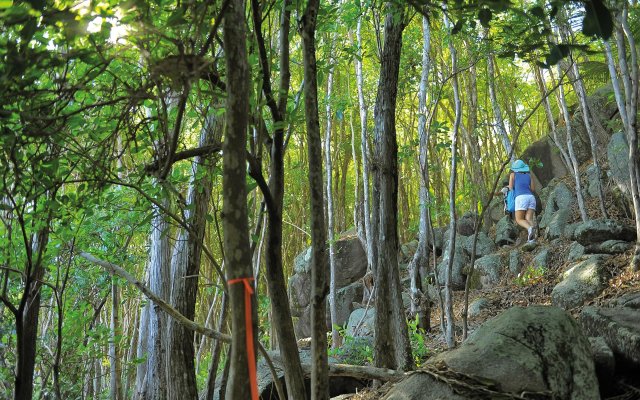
354 371
175 314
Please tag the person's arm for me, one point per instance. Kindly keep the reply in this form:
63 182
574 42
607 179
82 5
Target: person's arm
512 176
531 186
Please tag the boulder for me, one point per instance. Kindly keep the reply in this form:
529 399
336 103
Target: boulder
477 306
550 163
484 244
351 265
576 250
582 282
533 349
600 230
361 322
541 259
608 247
506 231
592 180
422 386
619 325
460 260
465 225
557 211
604 359
618 157
489 267
514 262
407 251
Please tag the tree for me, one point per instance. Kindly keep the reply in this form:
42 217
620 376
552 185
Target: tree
319 266
235 223
392 348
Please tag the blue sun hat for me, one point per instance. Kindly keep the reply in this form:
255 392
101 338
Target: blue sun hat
519 166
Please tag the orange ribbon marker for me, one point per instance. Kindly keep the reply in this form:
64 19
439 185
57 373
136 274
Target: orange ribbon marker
251 353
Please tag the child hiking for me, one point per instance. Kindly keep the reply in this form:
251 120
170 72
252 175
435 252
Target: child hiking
525 202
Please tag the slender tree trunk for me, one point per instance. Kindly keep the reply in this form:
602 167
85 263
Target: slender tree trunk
235 222
319 284
497 112
392 348
27 315
335 335
572 156
217 350
155 383
419 265
280 309
370 244
632 86
185 269
450 326
581 92
547 109
114 351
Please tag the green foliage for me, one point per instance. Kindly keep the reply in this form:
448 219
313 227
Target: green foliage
354 350
419 348
530 276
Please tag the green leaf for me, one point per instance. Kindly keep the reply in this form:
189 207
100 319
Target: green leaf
177 18
597 20
485 15
537 12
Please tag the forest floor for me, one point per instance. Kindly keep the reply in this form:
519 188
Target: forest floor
533 289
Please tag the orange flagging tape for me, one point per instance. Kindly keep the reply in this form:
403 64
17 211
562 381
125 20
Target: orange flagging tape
251 353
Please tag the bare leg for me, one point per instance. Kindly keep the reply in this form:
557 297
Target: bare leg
521 219
531 219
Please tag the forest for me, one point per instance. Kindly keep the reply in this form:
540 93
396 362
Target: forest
166 164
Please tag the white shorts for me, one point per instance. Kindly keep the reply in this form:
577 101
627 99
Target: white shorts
525 202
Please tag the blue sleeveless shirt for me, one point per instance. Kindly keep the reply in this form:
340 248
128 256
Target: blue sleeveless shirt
522 183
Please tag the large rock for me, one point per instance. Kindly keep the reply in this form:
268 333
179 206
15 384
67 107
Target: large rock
600 230
618 157
506 231
489 268
533 349
618 325
351 265
582 282
484 244
422 386
465 226
550 159
460 261
557 210
608 247
361 322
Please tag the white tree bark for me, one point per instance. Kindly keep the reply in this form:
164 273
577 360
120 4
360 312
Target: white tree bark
574 162
335 335
364 149
497 112
450 325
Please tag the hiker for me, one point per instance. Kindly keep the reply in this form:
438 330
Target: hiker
525 202
504 192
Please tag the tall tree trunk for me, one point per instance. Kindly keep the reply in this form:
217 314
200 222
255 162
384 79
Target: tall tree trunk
114 351
27 314
392 348
280 309
547 109
335 335
235 223
574 161
419 265
319 284
154 385
632 86
576 80
497 112
370 244
450 326
185 268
